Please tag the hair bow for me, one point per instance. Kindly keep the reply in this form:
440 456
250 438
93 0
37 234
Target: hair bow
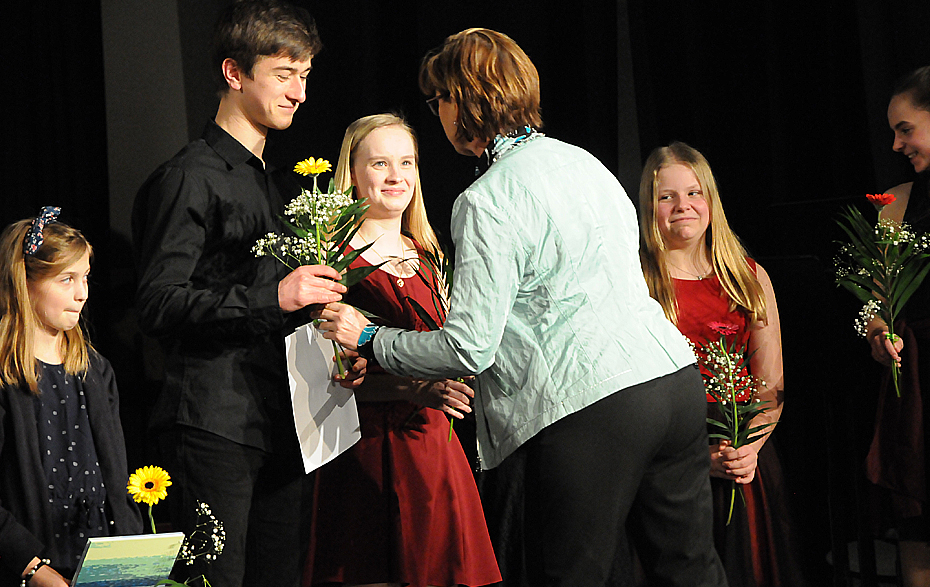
34 238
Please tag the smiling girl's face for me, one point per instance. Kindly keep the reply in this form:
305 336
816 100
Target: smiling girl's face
384 170
681 210
911 126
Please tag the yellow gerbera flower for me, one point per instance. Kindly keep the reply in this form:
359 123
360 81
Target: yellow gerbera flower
312 166
149 485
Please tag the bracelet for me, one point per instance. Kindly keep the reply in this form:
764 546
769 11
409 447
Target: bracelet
367 334
33 570
366 348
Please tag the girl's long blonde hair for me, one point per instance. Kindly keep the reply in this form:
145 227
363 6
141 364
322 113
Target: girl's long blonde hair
724 250
61 247
414 221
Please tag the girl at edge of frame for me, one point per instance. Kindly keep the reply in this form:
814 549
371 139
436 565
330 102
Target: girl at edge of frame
699 272
901 423
401 506
62 451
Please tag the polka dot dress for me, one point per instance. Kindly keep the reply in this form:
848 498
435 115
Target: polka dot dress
76 493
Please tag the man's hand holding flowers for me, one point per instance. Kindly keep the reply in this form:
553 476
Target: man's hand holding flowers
308 285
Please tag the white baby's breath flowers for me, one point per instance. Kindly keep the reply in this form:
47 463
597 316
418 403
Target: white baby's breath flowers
317 208
866 314
207 540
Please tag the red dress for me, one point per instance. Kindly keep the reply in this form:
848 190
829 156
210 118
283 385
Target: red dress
756 548
401 505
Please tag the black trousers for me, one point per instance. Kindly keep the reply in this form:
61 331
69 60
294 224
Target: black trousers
639 453
260 497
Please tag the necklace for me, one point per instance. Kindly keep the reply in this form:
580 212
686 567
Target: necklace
695 275
399 264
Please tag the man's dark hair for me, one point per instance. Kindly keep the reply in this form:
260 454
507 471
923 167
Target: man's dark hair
250 29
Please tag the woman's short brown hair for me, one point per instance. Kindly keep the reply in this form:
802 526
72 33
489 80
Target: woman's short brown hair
489 77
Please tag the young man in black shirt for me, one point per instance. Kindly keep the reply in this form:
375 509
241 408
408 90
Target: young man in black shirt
223 417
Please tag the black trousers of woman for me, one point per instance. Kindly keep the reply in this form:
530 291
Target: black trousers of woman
641 454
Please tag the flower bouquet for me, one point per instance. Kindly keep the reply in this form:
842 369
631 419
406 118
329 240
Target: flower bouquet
322 224
882 266
733 389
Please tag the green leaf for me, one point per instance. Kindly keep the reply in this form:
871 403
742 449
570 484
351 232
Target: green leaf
356 274
423 314
910 288
860 234
298 231
717 424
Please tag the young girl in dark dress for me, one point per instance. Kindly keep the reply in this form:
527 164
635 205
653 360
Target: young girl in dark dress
898 458
62 457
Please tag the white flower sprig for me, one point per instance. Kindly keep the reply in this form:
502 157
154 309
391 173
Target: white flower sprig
207 540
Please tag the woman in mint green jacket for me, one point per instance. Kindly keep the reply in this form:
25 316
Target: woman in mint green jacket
577 367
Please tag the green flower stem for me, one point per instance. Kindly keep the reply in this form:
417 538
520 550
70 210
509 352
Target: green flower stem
342 370
895 369
152 520
732 501
889 318
734 406
319 259
451 419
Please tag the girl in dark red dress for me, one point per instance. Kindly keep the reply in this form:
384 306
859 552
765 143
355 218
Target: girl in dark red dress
697 269
400 507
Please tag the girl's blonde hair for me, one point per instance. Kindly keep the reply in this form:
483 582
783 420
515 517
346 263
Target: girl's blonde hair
727 255
414 221
61 247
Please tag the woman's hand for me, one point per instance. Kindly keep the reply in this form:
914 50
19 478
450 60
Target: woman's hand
885 350
735 464
46 576
449 396
342 323
356 368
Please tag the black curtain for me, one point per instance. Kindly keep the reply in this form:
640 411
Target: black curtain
786 100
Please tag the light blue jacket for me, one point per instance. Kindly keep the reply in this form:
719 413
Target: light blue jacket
549 305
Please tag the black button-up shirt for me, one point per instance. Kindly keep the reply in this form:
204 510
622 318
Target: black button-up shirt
211 302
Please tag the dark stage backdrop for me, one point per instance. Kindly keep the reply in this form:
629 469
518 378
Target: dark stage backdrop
787 101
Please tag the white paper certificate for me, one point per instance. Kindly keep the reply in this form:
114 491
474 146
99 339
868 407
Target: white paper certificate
325 413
